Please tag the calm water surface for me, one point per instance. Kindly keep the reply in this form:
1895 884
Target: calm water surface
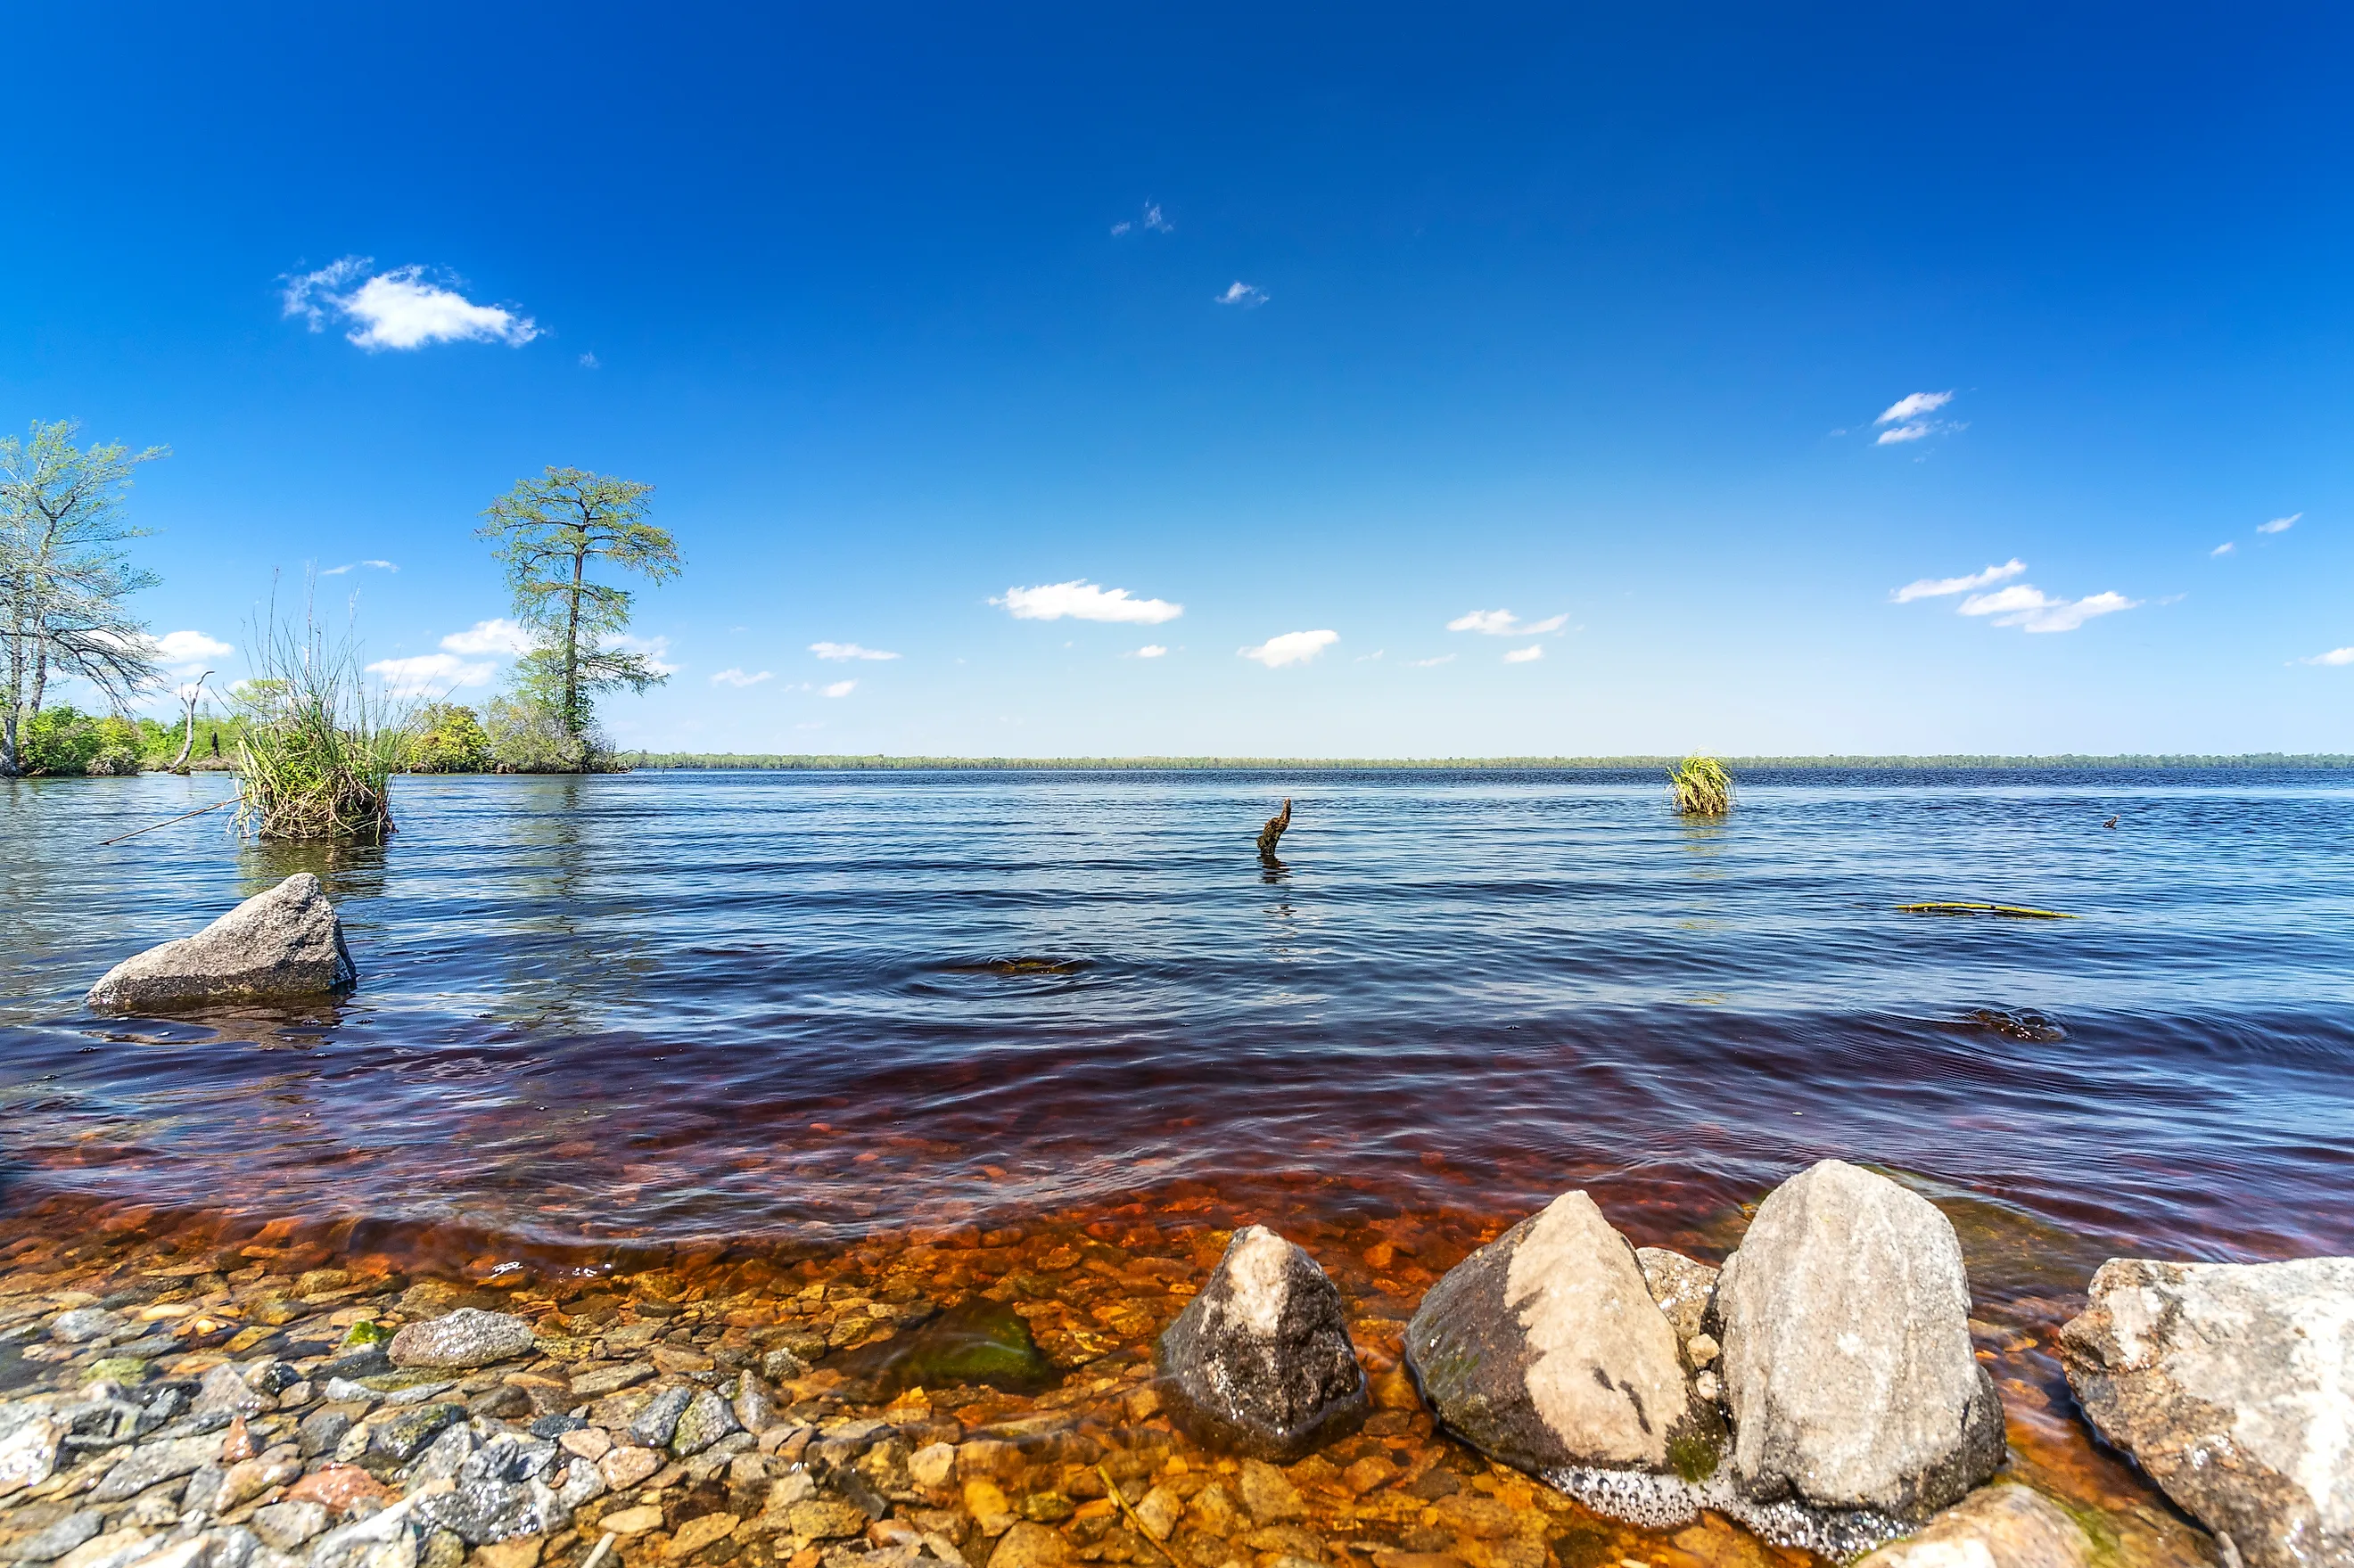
673 1006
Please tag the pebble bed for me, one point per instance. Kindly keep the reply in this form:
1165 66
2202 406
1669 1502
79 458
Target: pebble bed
220 1392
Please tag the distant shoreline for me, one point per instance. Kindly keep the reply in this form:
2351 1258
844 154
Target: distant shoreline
759 762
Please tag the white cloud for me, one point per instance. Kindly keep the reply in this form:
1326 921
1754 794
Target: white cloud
1151 222
1083 600
426 675
737 678
2023 605
1428 663
1532 652
589 362
1291 648
2223 549
498 635
1241 294
1504 623
1912 406
190 647
656 650
399 308
1903 433
353 566
842 650
1150 650
842 688
2335 656
1937 587
2279 525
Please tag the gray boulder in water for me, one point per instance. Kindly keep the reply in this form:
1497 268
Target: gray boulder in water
284 942
1260 1362
1544 1350
1847 1357
2230 1384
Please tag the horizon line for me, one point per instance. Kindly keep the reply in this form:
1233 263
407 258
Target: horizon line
815 762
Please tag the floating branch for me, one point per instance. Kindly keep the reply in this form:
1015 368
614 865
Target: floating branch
1272 834
1700 787
2016 911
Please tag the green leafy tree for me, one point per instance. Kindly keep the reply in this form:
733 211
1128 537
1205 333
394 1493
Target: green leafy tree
547 532
450 739
64 574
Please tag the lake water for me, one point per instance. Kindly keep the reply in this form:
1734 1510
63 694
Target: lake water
668 1006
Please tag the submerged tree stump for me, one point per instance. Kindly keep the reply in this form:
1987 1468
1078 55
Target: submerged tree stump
1272 834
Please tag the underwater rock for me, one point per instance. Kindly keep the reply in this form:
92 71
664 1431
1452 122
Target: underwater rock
1993 1527
469 1337
1846 1358
2228 1383
1261 1360
1544 1350
284 942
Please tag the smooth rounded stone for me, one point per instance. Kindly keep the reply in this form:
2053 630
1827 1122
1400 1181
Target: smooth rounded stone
28 1447
469 1337
320 1431
656 1421
225 1389
1993 1527
287 1525
403 1435
56 1540
704 1421
1846 1358
1028 1545
83 1324
625 1467
1681 1285
284 942
1261 1360
152 1464
1544 1350
2233 1386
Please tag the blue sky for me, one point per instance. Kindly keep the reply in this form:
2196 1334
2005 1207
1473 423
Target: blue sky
1585 330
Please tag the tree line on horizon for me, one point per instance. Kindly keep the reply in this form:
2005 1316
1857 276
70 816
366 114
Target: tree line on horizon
303 727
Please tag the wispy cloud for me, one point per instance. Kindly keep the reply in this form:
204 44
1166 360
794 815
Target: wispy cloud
1428 663
842 688
190 647
428 674
498 635
2279 525
1083 600
1530 655
403 308
737 678
1504 623
1937 587
590 361
840 652
1152 222
1149 650
1291 648
354 566
2031 609
2225 549
1909 416
2335 656
1241 294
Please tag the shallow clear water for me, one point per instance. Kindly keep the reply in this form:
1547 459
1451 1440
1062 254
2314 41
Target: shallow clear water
750 1005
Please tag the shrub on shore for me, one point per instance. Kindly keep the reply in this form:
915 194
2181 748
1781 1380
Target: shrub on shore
450 739
1700 787
64 742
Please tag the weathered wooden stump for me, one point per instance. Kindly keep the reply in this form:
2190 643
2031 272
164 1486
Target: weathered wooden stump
1272 834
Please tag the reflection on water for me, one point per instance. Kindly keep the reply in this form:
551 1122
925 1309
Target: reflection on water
629 1010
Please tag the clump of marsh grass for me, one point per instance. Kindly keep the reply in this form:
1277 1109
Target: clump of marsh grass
1700 787
317 747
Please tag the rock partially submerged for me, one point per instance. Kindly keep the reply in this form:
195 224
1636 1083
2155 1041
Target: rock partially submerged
1847 1357
284 942
469 1337
1261 1360
2230 1384
1544 1350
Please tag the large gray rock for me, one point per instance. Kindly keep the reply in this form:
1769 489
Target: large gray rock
1261 1360
1846 1358
469 1337
1993 1527
284 942
1681 1285
2232 1386
1545 1350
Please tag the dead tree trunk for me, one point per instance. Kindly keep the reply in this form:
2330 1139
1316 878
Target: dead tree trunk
1272 834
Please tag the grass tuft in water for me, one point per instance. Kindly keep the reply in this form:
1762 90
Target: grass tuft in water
1700 787
318 746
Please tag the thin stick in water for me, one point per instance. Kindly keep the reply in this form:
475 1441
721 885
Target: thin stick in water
166 822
